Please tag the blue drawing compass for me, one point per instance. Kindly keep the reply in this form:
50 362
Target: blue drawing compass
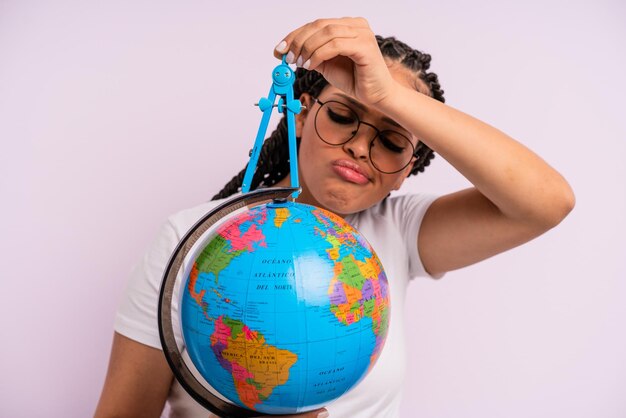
283 78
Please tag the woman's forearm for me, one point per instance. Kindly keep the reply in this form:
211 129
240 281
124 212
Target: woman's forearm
521 184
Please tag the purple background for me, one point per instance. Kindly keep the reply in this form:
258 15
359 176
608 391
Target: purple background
115 114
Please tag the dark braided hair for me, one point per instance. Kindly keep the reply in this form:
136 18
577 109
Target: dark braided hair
273 165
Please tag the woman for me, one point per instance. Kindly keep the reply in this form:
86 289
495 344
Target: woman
373 115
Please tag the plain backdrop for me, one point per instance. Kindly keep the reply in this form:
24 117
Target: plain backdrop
115 114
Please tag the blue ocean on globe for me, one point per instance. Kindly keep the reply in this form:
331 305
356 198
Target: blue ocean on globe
285 308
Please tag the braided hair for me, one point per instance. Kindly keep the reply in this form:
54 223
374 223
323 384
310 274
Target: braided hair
273 165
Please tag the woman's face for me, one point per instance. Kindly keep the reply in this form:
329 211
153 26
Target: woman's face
341 178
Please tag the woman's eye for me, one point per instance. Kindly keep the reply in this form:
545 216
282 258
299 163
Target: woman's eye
391 144
342 119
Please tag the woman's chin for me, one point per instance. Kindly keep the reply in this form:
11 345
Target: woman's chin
340 202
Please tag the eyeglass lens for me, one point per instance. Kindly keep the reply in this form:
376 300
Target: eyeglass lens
336 124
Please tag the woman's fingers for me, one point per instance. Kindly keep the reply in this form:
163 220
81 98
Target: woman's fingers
307 41
345 52
294 42
318 413
322 47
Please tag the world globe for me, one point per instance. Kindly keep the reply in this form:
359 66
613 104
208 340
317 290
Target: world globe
284 307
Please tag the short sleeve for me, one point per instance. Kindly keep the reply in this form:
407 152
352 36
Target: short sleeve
409 213
136 316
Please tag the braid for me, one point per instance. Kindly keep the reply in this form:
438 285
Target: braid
419 63
273 163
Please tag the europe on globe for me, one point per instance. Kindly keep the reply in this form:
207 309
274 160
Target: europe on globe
285 307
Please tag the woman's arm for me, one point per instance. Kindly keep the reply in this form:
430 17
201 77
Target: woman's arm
137 383
517 196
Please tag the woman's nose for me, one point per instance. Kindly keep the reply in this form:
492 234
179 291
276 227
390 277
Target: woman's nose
359 145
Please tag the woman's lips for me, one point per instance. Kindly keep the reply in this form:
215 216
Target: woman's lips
350 172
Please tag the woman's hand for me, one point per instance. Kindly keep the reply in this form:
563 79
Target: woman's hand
318 413
345 52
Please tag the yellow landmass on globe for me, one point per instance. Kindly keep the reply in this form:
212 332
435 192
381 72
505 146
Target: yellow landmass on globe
333 253
368 268
257 367
281 216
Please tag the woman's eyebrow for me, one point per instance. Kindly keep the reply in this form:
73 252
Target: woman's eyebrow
364 109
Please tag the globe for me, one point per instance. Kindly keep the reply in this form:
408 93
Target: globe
284 308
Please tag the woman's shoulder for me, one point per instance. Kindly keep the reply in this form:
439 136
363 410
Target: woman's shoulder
184 219
392 208
398 205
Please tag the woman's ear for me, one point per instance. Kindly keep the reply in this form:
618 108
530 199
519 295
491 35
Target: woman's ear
307 102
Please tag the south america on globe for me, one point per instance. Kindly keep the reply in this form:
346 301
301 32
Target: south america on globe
285 307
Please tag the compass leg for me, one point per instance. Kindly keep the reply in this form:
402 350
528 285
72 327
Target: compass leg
293 151
258 144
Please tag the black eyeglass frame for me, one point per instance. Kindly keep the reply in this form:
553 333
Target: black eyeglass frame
414 153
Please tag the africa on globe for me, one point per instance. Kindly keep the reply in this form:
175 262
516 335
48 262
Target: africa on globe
285 307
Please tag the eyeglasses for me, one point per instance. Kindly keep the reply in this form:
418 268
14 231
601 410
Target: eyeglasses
336 124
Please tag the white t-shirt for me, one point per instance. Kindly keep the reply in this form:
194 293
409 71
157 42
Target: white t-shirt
391 227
